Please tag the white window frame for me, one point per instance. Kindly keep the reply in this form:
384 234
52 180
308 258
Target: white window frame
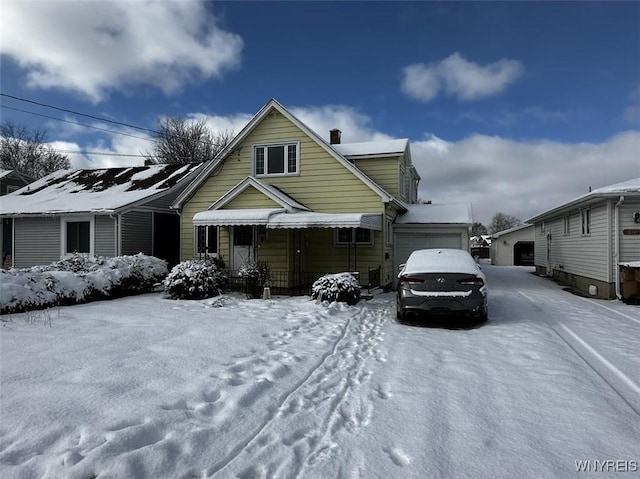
196 253
337 241
389 232
585 222
63 234
285 145
542 227
566 225
403 191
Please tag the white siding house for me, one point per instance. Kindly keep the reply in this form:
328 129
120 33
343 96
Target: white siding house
513 247
581 243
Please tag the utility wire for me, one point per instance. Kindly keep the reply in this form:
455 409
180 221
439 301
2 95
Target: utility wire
76 123
66 110
13 97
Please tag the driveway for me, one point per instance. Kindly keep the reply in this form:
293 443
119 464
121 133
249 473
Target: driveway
147 387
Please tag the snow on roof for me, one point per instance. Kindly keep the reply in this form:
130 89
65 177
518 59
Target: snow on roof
440 261
107 189
367 148
308 219
511 230
236 217
618 189
4 173
446 213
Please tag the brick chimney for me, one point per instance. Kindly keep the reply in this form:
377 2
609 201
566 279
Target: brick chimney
335 136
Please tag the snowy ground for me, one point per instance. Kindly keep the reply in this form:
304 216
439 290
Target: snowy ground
145 387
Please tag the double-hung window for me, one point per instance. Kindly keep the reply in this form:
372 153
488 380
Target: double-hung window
280 159
206 240
346 236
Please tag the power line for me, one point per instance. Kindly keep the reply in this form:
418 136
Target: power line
76 123
26 100
66 110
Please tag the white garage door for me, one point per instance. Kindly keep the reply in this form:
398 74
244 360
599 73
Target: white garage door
407 243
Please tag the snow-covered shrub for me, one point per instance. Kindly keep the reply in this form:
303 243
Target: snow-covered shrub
256 275
342 287
194 280
78 279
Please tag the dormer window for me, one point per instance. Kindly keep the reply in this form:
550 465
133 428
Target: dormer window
276 159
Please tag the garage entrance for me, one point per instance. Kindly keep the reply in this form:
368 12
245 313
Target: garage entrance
523 253
406 243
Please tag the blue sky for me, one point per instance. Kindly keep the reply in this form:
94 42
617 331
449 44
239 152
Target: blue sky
511 106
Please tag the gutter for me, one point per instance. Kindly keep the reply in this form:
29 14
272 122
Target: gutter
616 246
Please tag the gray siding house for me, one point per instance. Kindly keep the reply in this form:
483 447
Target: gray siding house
582 243
10 181
102 212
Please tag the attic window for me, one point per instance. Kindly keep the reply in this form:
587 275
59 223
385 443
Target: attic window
280 159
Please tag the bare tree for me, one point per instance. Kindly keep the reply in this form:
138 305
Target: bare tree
27 152
183 140
501 222
478 229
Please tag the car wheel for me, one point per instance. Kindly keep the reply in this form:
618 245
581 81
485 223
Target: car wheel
484 317
400 316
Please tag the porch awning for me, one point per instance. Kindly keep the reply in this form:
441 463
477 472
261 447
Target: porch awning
241 217
305 219
278 218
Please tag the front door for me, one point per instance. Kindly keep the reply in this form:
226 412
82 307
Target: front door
243 245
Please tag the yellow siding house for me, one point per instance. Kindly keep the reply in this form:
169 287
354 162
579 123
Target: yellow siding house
282 195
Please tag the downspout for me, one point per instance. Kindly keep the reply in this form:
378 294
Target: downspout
616 246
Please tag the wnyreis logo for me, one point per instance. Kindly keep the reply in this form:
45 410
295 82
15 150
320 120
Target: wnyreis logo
608 465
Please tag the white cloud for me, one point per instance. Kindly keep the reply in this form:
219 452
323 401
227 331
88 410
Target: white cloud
93 47
520 178
459 78
493 173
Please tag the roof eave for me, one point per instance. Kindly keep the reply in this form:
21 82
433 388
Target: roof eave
581 201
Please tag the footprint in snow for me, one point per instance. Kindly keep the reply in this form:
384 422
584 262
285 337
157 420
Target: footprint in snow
399 457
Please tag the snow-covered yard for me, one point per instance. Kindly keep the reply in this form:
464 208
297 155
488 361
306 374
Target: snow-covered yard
146 387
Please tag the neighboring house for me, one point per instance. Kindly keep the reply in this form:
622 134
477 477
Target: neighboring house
12 180
582 242
106 212
480 245
513 247
281 194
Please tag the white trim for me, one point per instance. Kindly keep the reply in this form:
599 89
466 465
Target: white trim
63 233
285 144
257 119
269 191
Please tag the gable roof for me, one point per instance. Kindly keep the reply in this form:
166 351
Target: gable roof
102 190
270 191
625 188
16 174
255 121
511 230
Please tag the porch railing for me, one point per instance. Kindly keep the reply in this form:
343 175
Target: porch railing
297 282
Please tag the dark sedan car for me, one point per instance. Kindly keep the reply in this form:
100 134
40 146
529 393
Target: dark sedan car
441 282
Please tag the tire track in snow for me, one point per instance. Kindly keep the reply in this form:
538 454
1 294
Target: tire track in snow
617 380
315 409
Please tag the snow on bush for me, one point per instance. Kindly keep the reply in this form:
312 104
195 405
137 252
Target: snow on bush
194 280
78 279
256 275
342 287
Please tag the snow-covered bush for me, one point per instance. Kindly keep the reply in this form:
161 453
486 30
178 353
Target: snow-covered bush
78 279
342 287
194 280
256 275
